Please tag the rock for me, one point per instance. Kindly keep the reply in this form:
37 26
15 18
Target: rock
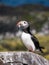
1 62
22 58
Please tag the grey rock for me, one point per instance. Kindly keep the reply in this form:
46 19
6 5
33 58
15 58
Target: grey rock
22 58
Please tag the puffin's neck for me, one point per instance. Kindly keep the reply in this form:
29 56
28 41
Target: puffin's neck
28 30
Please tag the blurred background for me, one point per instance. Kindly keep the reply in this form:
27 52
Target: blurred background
36 12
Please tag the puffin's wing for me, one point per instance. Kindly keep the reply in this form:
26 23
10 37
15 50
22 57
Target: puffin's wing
36 42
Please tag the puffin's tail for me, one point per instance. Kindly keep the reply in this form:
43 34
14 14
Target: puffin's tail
40 49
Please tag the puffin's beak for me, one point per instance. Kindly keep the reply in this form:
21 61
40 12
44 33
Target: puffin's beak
18 24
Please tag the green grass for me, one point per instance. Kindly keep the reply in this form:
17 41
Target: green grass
17 45
11 45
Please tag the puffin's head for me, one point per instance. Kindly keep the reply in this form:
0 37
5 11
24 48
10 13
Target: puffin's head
23 24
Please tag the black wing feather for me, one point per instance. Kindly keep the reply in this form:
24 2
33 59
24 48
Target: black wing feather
36 42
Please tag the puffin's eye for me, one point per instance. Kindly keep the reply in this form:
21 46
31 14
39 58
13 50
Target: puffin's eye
25 22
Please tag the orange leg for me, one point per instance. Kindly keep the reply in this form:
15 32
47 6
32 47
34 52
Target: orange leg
31 50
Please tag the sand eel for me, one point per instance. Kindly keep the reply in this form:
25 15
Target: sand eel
29 40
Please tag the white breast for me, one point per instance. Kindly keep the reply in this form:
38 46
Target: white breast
26 39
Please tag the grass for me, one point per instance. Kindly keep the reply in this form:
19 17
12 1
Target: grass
16 45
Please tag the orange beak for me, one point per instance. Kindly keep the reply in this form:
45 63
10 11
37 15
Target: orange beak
18 23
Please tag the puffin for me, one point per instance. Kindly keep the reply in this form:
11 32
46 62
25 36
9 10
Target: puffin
28 39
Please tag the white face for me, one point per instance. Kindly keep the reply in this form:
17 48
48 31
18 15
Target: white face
23 24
